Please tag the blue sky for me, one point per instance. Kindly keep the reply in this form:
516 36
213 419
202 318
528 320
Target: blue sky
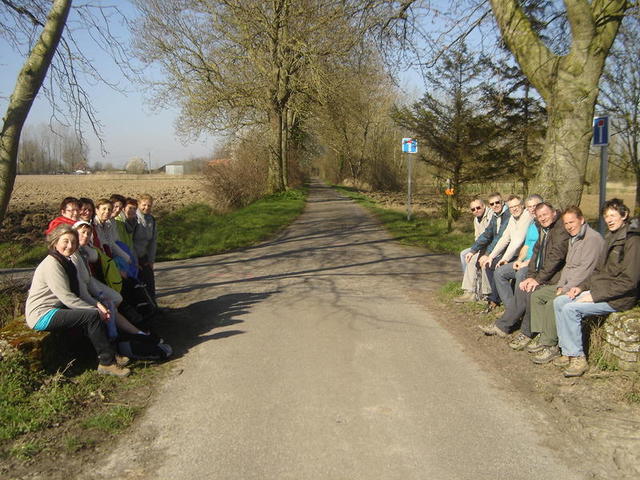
130 126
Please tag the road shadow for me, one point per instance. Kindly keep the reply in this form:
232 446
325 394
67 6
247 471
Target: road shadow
184 328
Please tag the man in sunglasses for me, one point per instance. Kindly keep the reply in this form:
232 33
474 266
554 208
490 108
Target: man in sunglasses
486 242
482 216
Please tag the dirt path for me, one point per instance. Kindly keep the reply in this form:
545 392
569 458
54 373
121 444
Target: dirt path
323 355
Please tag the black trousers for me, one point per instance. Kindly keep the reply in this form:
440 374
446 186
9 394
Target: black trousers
93 327
146 276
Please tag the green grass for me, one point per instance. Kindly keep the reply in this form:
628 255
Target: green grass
197 230
113 420
422 230
18 255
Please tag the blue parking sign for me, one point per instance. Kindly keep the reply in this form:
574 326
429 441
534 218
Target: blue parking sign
600 131
409 145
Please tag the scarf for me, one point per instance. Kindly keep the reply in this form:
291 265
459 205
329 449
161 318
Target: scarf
70 270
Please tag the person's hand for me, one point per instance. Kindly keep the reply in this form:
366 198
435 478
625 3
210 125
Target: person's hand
501 262
586 298
559 292
528 285
104 312
468 256
518 264
574 292
484 261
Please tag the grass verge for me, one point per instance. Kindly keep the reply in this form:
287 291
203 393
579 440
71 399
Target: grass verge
197 230
20 255
421 230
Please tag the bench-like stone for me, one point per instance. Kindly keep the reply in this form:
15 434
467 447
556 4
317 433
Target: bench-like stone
623 338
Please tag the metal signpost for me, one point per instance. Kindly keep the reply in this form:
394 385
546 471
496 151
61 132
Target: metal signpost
601 139
409 145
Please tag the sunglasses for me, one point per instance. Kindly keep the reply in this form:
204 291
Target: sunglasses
473 209
499 202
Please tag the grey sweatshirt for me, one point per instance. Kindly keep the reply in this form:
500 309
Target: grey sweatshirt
145 237
582 257
50 289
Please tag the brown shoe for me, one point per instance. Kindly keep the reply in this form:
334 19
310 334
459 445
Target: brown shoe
122 361
578 366
519 342
546 355
561 361
465 297
492 329
114 370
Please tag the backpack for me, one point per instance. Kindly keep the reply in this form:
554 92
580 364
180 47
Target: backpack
108 274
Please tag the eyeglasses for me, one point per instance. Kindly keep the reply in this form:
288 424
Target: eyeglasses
498 202
517 205
473 209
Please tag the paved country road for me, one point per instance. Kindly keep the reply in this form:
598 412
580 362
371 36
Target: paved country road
305 358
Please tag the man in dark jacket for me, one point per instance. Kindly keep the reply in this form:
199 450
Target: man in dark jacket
487 241
545 266
612 287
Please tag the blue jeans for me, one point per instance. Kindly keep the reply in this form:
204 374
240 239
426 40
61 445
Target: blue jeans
569 315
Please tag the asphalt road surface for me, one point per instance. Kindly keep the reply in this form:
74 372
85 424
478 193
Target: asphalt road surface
304 358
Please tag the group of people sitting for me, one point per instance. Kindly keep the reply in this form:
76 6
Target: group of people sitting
549 269
98 268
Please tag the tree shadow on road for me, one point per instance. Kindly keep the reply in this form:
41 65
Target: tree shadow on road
184 328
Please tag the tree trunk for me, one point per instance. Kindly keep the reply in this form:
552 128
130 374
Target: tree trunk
560 178
568 84
28 84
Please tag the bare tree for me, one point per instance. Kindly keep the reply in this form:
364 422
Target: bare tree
233 64
54 63
28 84
568 83
620 97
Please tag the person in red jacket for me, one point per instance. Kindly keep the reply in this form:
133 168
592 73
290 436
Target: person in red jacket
69 212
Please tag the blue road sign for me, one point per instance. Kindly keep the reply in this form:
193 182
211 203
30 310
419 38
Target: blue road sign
409 145
601 131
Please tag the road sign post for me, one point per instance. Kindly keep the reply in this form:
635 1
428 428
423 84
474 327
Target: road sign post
409 146
601 139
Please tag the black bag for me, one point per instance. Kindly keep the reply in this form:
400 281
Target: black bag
143 347
135 293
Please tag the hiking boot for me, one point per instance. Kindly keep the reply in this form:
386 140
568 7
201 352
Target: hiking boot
122 361
561 361
114 370
465 297
519 342
535 346
491 306
492 329
577 367
546 355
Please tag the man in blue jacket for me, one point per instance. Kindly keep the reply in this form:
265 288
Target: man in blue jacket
487 241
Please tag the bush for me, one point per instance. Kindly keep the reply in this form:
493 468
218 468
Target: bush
237 183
